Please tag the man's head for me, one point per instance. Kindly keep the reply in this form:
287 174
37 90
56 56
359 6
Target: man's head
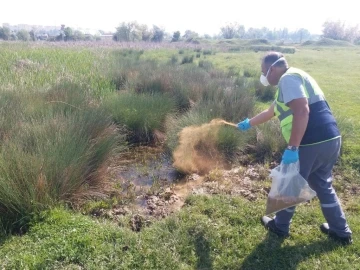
273 66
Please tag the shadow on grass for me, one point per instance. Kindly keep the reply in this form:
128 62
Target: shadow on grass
270 254
202 249
3 239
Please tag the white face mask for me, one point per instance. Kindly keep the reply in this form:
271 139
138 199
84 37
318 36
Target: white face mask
264 81
263 78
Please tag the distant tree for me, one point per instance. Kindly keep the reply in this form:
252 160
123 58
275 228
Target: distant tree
339 31
5 33
190 34
352 33
301 35
176 36
284 34
334 30
127 32
89 37
60 37
232 30
69 34
146 34
207 36
13 36
23 35
253 33
158 34
78 35
32 35
228 31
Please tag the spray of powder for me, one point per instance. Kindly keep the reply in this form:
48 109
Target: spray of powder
197 151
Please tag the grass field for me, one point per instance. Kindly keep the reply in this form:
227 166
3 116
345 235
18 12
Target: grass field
67 110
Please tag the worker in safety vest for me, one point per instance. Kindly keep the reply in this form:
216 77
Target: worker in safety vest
313 138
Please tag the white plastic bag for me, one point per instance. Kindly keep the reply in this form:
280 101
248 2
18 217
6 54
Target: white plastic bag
288 188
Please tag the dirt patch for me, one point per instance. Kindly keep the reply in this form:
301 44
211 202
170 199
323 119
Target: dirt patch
145 190
137 222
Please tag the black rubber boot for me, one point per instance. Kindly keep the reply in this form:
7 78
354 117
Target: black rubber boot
269 224
343 240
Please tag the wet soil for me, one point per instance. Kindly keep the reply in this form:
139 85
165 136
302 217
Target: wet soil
151 188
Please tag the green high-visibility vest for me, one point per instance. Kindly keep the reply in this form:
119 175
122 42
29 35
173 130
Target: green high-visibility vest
313 93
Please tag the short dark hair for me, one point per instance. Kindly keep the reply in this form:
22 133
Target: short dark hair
271 57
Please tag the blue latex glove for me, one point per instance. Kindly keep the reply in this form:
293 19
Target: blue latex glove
290 156
244 125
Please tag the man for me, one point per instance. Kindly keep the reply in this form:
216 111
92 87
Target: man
313 138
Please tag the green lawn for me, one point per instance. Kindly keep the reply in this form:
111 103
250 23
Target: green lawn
210 232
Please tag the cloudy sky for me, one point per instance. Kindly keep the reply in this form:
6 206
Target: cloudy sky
204 17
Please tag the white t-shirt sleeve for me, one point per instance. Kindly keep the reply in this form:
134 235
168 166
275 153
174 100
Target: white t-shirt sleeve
291 87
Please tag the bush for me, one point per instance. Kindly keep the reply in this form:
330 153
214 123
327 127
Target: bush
264 93
54 152
259 41
175 124
269 143
251 73
207 65
187 59
265 48
174 59
23 35
141 114
221 99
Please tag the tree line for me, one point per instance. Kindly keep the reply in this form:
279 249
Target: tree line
133 31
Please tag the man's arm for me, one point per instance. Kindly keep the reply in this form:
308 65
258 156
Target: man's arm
300 109
263 116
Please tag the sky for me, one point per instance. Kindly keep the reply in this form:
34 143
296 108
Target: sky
203 17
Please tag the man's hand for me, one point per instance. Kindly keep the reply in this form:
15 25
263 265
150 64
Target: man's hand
290 156
244 125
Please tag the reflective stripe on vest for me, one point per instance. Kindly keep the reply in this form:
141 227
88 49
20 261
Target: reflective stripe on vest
313 93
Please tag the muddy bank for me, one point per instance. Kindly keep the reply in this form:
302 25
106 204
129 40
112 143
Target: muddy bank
151 188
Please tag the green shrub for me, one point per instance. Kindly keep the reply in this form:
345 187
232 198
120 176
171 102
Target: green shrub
265 48
231 141
264 93
207 52
176 123
259 41
174 59
222 99
269 143
141 114
251 73
207 65
55 153
328 42
187 59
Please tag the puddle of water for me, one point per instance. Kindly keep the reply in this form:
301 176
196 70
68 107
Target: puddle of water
150 168
147 165
144 171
